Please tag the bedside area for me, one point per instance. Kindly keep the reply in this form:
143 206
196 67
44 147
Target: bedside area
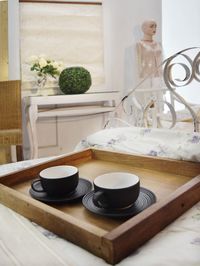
95 106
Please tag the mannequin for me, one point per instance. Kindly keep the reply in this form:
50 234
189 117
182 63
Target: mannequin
149 52
149 55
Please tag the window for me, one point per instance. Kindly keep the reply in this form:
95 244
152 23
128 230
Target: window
67 32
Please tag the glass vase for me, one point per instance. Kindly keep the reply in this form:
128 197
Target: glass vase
40 84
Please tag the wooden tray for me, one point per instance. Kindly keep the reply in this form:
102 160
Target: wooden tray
175 183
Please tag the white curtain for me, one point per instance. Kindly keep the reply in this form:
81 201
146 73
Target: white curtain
71 33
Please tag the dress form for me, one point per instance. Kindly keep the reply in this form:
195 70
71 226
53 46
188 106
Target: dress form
149 55
149 52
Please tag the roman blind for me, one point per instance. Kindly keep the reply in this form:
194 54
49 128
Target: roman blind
67 32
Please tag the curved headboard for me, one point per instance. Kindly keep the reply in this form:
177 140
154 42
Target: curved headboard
190 65
191 69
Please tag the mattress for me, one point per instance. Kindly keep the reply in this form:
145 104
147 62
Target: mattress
146 141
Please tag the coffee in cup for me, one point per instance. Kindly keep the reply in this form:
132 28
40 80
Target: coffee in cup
116 190
57 180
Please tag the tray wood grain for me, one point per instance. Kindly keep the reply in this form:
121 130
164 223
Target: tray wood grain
175 183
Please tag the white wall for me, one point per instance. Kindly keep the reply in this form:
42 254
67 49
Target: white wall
181 20
13 40
122 29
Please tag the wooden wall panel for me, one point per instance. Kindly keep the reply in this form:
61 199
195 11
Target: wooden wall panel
3 40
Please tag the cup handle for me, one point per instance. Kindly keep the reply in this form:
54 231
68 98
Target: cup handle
99 199
33 186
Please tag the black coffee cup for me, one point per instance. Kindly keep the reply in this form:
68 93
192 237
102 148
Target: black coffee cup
57 180
116 190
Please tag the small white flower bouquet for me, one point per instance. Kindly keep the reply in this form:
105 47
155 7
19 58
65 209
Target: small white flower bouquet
44 67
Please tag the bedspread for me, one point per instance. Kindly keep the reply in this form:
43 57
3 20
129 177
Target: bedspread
152 142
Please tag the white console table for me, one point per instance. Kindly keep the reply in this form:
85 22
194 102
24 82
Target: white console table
64 106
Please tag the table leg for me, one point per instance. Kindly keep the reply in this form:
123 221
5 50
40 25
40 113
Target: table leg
32 130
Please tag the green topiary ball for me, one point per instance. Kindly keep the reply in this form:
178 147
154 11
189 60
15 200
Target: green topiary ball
75 80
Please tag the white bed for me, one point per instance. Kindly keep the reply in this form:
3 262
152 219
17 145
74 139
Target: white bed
147 141
168 134
25 243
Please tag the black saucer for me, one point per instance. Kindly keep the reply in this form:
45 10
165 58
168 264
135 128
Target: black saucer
84 186
145 199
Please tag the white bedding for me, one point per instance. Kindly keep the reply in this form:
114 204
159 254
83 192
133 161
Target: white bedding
153 142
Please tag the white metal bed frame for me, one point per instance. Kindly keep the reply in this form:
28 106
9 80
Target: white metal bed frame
191 68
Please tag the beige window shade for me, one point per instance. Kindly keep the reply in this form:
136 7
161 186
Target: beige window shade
71 33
